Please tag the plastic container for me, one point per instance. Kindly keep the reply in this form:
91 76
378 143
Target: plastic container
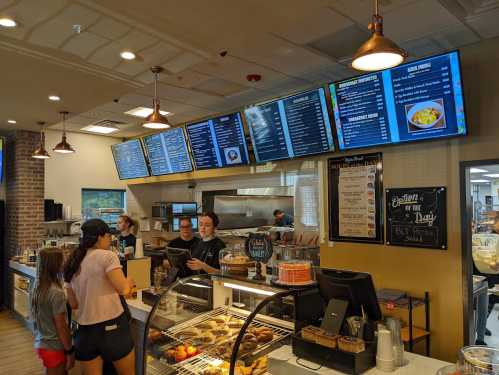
478 360
294 273
234 261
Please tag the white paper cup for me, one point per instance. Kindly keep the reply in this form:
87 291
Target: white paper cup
385 346
385 365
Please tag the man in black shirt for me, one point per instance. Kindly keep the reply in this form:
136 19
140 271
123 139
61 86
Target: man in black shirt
187 240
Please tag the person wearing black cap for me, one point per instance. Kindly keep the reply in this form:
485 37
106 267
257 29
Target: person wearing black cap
205 253
94 282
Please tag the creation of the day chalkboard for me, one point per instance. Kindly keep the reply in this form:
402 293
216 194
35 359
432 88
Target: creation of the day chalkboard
411 102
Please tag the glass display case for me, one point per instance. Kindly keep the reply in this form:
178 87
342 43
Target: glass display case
202 322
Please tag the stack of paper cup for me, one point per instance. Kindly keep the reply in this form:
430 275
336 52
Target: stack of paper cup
139 248
385 360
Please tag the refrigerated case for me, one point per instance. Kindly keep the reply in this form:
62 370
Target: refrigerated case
195 325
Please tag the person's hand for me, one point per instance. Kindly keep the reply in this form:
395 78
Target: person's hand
166 264
131 282
70 361
195 264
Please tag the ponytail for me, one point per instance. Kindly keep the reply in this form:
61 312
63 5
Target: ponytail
74 261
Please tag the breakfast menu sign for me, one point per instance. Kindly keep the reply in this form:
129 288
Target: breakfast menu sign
417 217
355 198
356 202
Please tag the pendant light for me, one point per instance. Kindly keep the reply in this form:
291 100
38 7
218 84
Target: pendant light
41 152
378 52
156 120
63 147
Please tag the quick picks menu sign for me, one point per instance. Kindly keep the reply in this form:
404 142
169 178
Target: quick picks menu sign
415 101
417 217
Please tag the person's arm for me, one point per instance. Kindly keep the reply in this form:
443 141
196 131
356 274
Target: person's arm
196 265
121 284
59 313
73 302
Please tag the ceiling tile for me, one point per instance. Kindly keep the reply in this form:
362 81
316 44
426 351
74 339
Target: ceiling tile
54 32
107 56
421 47
220 87
158 53
485 23
84 44
137 40
398 25
187 79
133 67
29 13
311 24
362 10
456 36
109 28
341 44
182 62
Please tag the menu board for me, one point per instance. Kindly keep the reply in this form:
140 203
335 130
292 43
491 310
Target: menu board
355 196
130 160
417 217
294 126
411 102
218 142
168 152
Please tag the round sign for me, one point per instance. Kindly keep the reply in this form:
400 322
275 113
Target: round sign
259 246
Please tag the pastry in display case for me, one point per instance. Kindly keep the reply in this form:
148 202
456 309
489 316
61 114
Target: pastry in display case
478 360
194 326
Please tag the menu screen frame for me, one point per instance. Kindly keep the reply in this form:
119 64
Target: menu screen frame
287 147
143 157
220 155
393 126
185 144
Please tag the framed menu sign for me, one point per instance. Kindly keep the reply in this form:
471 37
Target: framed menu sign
355 198
417 217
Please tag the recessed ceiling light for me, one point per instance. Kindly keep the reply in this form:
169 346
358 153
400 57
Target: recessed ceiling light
127 55
101 129
144 112
477 170
7 22
12 121
54 98
480 181
493 175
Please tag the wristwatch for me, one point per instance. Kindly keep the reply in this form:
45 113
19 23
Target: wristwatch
70 351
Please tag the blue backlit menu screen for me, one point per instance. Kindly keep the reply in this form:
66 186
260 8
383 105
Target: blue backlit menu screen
415 101
168 152
218 142
294 126
130 160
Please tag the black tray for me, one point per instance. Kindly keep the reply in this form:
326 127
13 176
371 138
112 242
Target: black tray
348 363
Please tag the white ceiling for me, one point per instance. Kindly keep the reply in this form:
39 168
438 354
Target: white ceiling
293 44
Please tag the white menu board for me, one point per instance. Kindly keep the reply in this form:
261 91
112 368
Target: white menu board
356 201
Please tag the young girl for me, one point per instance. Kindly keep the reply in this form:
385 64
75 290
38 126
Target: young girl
48 309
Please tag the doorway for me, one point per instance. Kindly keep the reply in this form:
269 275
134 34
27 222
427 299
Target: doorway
480 246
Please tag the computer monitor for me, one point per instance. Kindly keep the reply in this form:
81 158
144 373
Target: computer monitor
355 287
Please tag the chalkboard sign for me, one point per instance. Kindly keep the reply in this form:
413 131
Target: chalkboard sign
417 217
259 247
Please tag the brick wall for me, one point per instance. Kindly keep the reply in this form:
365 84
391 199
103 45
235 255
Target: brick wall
25 191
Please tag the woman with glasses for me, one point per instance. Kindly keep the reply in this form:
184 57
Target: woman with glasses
205 253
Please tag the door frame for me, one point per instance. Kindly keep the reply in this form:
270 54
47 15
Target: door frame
466 239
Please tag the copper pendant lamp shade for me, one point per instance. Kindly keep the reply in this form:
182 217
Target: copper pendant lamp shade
378 52
156 120
63 147
41 152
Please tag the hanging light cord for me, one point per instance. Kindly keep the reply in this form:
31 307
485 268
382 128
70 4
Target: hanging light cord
376 10
156 74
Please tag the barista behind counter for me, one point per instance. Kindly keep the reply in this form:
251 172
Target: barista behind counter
282 219
128 229
206 252
186 240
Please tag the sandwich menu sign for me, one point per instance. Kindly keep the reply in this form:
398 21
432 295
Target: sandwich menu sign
417 217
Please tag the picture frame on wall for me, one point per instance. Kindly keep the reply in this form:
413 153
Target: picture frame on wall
355 198
417 217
